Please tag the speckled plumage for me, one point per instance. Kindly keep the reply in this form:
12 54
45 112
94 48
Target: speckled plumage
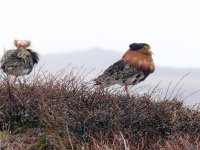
135 65
19 61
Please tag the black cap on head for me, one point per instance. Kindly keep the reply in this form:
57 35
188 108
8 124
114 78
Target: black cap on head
137 46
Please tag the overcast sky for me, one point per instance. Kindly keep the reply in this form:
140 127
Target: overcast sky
171 27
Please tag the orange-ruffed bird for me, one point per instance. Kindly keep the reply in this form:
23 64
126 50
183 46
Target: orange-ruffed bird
135 65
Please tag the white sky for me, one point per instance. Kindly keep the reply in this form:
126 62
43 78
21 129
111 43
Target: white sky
171 27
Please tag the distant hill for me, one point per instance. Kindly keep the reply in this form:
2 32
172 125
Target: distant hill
94 58
99 60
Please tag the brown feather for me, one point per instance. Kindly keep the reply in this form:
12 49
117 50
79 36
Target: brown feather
140 59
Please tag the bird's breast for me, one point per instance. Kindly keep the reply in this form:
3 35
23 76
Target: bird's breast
140 61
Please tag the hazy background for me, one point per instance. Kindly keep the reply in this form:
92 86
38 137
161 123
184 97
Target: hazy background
97 32
97 60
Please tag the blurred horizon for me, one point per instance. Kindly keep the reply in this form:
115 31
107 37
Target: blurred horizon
120 54
97 60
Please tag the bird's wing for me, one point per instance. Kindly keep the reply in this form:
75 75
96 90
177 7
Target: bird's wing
119 70
11 60
119 65
6 57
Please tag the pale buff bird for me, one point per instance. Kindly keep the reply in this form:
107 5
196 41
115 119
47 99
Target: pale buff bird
135 65
20 61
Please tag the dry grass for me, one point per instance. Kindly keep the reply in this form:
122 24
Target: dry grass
61 111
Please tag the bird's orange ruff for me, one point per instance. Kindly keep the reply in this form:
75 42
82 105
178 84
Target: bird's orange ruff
140 59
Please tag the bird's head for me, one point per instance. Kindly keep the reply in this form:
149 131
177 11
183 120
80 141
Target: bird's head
142 47
22 44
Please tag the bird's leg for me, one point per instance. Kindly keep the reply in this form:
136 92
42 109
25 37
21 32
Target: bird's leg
23 80
9 86
8 78
15 79
126 89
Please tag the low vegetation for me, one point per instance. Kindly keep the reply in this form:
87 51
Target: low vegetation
61 111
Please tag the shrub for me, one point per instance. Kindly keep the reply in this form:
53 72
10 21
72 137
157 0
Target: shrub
62 111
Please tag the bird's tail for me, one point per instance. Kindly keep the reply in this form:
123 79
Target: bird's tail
101 80
97 82
34 55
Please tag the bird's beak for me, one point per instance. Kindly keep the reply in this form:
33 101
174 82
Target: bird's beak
151 52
